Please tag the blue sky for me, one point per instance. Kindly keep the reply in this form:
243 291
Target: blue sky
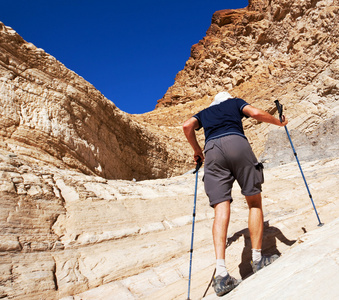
130 51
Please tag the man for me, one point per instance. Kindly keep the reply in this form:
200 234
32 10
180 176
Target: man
229 157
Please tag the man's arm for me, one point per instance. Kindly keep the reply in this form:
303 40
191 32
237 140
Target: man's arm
263 116
189 128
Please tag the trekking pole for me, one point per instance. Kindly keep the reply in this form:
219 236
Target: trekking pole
199 164
280 111
209 283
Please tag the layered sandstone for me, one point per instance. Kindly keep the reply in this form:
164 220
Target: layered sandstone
284 50
51 113
74 236
266 51
72 228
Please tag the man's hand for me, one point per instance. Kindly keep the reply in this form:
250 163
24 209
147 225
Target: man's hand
198 156
283 121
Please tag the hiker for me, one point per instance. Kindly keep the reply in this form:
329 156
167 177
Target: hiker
229 157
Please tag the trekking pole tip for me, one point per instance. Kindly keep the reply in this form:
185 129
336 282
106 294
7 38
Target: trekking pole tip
320 224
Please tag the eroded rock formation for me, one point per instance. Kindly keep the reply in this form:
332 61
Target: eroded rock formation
266 51
64 233
284 50
67 229
51 113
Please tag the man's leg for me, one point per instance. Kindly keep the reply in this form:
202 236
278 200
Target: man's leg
222 212
255 220
221 220
223 283
256 228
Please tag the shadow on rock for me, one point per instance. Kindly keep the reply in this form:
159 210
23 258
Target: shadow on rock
269 246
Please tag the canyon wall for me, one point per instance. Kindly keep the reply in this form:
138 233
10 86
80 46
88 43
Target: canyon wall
71 227
50 113
269 50
285 50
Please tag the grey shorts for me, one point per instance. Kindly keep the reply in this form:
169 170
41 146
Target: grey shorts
227 159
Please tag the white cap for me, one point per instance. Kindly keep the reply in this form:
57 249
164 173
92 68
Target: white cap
221 97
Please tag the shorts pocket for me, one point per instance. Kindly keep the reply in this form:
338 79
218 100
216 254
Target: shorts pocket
260 171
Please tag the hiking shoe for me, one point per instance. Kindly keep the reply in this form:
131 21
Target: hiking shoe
265 261
223 285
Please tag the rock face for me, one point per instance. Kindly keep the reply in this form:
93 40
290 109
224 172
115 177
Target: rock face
51 113
266 51
73 225
63 232
74 236
284 50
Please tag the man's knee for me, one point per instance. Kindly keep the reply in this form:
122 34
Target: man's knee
254 201
222 209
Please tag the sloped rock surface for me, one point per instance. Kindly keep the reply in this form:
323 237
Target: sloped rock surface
306 271
66 234
290 221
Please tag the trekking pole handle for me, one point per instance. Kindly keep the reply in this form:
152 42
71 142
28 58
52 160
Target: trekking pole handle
199 164
280 110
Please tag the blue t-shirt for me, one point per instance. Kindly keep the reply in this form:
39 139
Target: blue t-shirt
222 119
